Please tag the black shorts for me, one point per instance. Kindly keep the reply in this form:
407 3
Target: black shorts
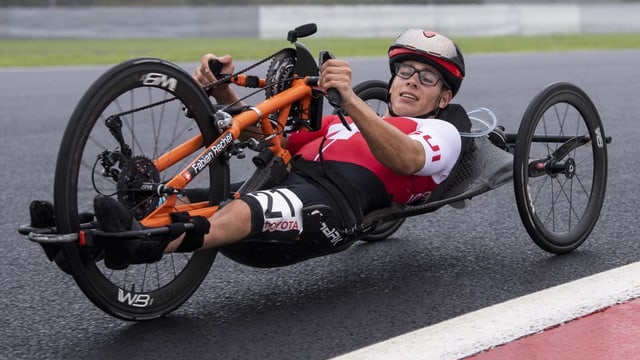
285 211
277 213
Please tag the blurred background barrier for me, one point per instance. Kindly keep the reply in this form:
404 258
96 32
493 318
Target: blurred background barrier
361 21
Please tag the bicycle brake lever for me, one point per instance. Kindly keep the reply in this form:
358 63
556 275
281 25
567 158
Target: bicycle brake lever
332 94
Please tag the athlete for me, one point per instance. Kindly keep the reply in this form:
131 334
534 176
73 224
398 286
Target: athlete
338 175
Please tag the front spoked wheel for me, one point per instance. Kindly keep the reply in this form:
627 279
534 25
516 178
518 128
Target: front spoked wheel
132 114
560 168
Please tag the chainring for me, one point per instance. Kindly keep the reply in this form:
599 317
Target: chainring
280 72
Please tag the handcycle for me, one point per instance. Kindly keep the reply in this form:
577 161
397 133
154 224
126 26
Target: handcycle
146 133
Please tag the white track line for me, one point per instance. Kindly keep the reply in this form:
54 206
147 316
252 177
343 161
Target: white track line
501 323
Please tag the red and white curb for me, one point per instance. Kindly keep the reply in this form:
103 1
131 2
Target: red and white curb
502 323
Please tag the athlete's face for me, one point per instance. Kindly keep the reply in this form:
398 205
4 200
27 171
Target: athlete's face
412 93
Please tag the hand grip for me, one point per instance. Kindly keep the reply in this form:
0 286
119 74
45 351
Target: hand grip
216 67
332 94
334 97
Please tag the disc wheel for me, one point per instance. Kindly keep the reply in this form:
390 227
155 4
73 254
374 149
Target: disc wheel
374 93
153 106
560 168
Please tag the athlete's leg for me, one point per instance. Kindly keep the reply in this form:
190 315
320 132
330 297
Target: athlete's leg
270 214
229 224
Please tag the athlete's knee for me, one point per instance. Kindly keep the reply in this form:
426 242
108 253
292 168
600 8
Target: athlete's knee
275 213
231 223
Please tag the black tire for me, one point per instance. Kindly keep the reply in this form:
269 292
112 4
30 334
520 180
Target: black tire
560 204
374 93
140 292
383 230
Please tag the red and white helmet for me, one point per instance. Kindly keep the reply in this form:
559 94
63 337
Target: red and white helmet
431 48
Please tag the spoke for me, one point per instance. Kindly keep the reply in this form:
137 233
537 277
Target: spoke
173 265
569 197
571 208
584 188
158 280
143 281
539 188
174 136
124 282
130 124
156 125
543 120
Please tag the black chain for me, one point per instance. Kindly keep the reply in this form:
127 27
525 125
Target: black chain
226 78
205 87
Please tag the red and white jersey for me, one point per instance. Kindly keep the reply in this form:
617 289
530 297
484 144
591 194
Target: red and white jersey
440 140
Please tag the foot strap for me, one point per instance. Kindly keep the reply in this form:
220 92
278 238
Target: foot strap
194 238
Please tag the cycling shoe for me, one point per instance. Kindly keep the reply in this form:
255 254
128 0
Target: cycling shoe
119 253
42 216
112 216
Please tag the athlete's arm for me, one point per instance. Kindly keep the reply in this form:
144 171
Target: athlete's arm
393 148
223 93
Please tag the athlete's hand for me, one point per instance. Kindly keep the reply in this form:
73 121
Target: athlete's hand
204 76
336 74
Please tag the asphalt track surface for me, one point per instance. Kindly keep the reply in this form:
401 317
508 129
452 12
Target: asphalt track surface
436 267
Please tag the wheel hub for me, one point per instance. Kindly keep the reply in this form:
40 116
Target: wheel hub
131 191
569 168
553 168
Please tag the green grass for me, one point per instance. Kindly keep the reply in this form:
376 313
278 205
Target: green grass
45 52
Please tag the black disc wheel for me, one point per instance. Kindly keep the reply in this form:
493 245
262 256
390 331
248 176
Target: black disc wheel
131 115
374 93
560 168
